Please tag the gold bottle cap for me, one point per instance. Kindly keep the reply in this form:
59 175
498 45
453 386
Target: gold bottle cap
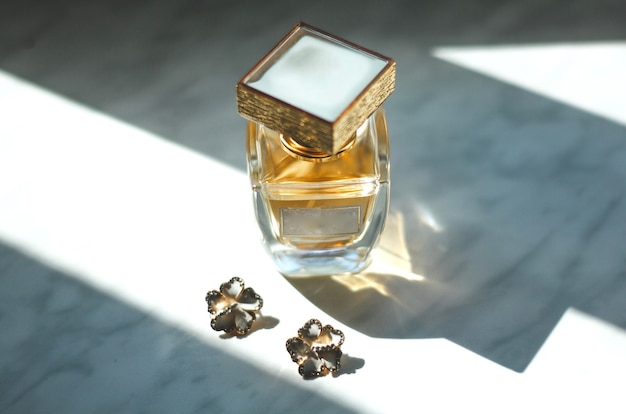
316 88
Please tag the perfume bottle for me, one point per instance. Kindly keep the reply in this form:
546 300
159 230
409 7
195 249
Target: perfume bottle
318 151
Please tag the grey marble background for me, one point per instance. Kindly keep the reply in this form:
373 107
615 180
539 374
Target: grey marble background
531 192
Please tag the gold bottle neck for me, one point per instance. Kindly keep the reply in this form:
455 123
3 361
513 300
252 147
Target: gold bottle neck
305 153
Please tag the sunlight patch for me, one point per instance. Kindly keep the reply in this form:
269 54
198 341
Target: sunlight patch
588 76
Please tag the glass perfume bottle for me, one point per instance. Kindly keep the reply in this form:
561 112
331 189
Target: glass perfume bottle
318 151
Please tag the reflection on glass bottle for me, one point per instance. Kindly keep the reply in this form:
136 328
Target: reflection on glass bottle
320 213
321 197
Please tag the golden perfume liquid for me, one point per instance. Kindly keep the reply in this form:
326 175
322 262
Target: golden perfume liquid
320 213
318 150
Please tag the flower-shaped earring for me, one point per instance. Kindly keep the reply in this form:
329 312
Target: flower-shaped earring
233 307
316 349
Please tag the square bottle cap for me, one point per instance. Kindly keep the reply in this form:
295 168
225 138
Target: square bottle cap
316 88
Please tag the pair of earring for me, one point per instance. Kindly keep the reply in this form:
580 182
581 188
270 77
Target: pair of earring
316 349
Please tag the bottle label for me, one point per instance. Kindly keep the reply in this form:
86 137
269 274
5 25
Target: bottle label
320 221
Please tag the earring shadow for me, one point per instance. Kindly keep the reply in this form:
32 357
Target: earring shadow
349 365
262 322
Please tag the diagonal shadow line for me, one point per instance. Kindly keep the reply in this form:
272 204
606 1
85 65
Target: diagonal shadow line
491 139
69 348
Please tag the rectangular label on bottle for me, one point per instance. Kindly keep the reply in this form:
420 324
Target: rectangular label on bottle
320 221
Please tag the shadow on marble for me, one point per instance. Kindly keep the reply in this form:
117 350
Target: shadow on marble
494 233
512 205
171 67
68 348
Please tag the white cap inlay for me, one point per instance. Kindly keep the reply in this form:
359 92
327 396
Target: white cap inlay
319 77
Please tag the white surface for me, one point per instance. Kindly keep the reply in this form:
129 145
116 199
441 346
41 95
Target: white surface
156 226
318 76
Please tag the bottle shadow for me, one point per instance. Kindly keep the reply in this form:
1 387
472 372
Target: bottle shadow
425 282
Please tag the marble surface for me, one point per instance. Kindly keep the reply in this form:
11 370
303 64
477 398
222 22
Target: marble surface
500 281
